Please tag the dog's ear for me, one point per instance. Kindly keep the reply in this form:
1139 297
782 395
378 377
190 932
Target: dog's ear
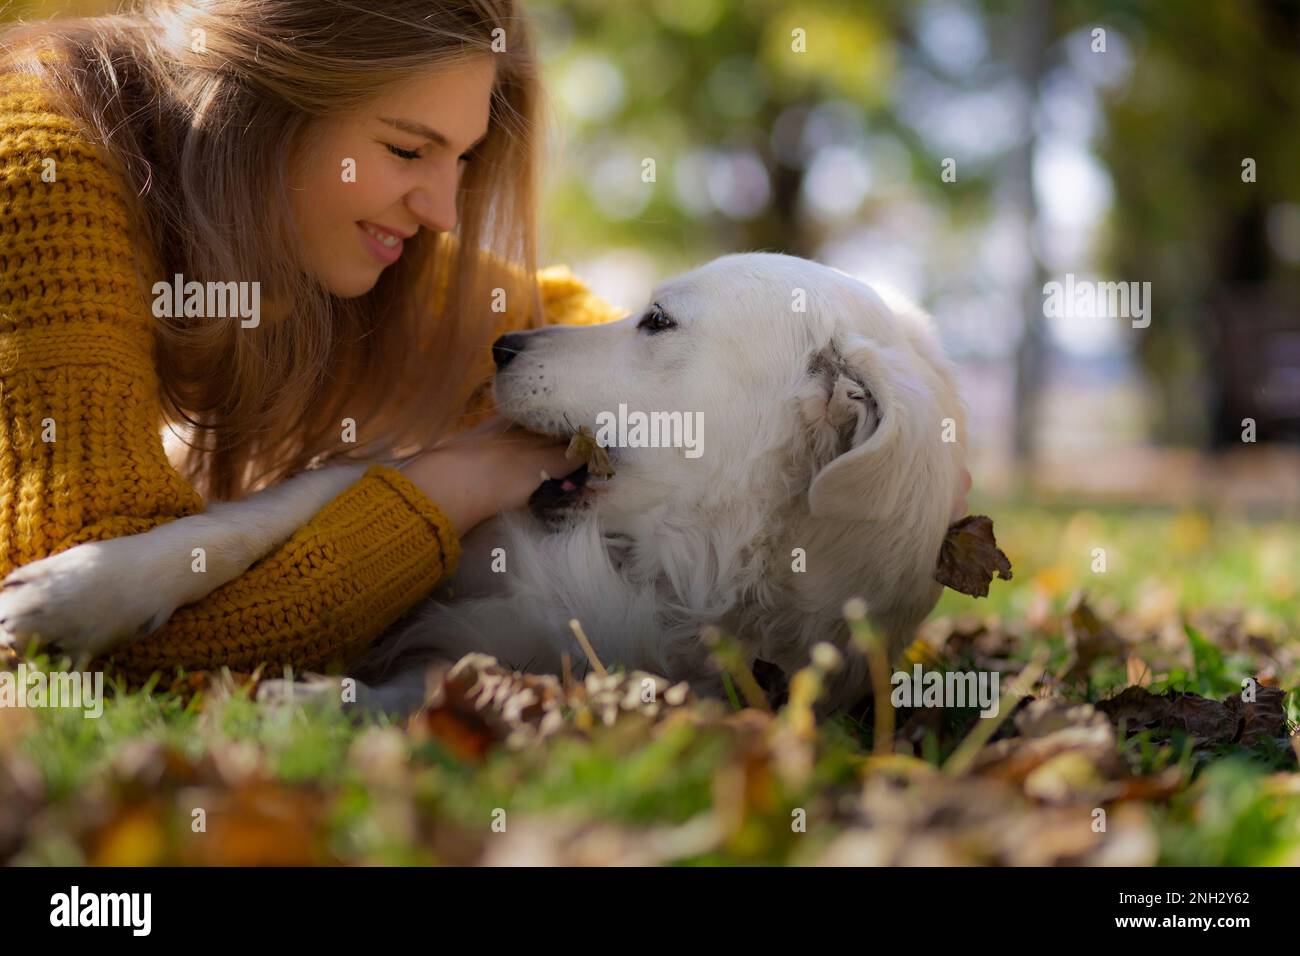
857 417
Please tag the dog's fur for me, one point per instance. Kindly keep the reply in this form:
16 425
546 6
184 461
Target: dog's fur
823 432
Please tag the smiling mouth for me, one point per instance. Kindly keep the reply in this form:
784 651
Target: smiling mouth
384 246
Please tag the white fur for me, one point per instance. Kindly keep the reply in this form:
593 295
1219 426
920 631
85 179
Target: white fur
823 431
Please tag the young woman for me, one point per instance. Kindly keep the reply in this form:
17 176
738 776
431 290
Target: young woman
350 190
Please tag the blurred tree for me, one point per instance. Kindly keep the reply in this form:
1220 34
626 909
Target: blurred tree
1214 84
718 93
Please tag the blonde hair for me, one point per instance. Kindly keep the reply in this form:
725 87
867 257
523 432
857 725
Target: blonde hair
203 132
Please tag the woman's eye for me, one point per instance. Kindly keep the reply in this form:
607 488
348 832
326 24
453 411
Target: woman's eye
656 321
404 153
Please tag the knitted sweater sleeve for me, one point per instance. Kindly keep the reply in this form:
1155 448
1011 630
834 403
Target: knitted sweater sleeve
81 454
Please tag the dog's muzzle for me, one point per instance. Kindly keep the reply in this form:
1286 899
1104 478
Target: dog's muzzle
556 497
507 347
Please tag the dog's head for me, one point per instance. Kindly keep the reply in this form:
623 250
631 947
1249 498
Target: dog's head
797 408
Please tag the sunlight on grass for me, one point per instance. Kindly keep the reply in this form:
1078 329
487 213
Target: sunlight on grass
124 788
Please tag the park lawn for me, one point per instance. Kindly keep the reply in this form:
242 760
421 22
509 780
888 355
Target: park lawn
1188 606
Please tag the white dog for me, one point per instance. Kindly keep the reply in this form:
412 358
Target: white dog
826 468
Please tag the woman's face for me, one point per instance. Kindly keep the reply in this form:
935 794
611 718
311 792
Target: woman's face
407 151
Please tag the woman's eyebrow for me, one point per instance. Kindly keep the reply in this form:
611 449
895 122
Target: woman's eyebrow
419 129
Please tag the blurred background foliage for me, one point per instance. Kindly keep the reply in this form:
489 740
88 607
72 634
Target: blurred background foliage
1103 139
1115 156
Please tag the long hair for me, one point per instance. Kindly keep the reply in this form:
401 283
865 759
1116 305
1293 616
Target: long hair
200 106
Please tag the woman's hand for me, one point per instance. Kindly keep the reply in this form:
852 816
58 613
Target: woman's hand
491 468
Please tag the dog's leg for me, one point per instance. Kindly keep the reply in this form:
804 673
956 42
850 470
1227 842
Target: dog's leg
391 679
513 629
397 697
87 598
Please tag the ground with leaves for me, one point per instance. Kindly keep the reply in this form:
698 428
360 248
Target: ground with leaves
1131 744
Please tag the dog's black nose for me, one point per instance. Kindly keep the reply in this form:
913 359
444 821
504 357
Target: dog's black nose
507 347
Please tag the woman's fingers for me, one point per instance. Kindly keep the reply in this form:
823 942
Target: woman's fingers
555 463
522 461
530 454
534 453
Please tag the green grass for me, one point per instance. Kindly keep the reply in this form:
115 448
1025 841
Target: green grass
303 783
1154 558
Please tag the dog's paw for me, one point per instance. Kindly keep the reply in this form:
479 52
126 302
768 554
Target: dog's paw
82 601
309 688
354 698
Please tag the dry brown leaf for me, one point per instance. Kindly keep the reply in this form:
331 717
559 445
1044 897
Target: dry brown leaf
478 703
583 446
1138 671
1136 708
1228 721
970 556
1265 716
259 823
1089 637
983 821
1160 786
1202 717
1064 753
1046 730
561 839
135 835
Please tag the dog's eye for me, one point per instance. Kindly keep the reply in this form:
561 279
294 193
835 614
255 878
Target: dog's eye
656 320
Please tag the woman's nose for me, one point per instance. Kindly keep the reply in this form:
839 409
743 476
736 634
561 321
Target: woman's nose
434 204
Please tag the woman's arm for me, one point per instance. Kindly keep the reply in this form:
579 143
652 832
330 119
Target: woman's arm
81 457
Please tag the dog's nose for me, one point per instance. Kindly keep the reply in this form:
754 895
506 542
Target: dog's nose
507 347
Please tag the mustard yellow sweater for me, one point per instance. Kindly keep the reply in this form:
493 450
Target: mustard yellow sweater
76 348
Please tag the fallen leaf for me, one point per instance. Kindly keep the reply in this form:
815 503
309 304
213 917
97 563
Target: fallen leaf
982 821
1046 730
1202 717
478 703
970 556
1231 720
470 707
257 823
1089 637
1136 708
1064 777
1138 671
1265 716
136 835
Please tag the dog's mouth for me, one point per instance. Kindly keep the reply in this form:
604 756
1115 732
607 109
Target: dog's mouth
557 497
